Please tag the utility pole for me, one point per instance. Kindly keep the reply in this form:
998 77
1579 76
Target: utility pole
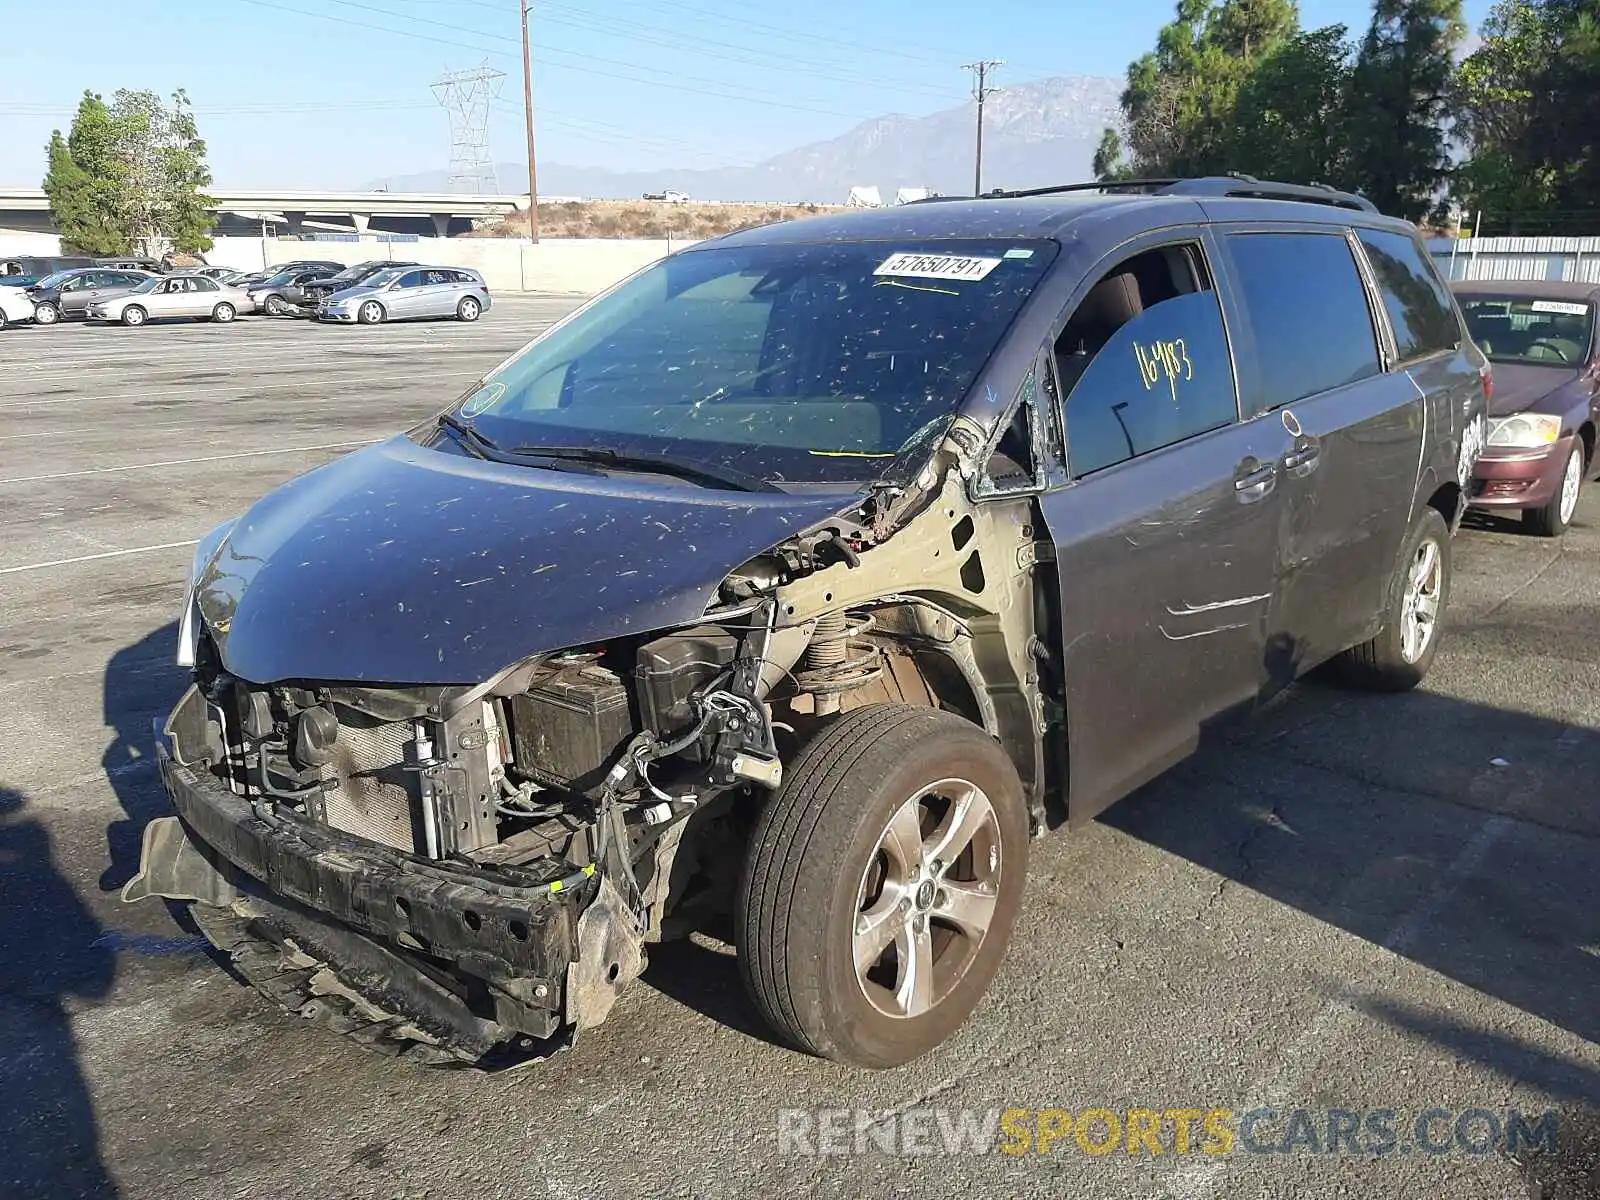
527 102
981 91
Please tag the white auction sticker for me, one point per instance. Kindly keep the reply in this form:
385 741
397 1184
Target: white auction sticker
1560 306
936 266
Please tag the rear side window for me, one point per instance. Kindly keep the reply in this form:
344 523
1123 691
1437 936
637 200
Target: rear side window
1144 361
1308 310
1419 307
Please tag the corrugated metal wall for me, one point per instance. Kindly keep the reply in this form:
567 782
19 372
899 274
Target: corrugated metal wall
1519 258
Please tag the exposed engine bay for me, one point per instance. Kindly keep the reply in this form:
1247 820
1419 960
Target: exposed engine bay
509 848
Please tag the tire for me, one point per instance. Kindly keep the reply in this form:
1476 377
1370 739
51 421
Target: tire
133 316
46 314
274 305
223 313
1552 520
3 321
469 309
821 864
371 313
1394 661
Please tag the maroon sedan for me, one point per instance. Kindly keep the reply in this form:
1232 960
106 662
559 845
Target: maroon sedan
1541 338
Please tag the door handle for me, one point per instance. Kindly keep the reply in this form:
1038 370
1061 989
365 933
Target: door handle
1302 460
1252 485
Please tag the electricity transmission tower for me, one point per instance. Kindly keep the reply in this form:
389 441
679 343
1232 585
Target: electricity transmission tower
466 96
981 91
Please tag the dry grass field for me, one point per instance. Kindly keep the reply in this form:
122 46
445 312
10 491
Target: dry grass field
648 219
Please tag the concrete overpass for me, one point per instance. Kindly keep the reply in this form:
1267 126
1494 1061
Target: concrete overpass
359 212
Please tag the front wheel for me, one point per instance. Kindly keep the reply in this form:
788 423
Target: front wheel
370 313
882 883
223 313
275 306
3 321
133 316
46 314
469 309
1398 658
1552 520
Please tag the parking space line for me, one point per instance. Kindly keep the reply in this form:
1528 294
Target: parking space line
183 462
63 562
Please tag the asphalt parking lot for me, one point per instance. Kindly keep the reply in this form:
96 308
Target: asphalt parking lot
1350 902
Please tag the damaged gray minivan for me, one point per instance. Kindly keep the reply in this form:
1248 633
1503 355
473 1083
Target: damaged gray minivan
789 588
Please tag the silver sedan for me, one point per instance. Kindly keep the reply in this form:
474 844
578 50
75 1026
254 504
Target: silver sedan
173 296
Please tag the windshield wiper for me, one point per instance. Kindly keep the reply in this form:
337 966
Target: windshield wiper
470 439
666 464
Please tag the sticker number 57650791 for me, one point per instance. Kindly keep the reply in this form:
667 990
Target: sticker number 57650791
936 266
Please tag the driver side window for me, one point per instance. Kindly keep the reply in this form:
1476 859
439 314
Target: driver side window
1144 361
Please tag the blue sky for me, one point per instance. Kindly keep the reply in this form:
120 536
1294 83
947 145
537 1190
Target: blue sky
334 93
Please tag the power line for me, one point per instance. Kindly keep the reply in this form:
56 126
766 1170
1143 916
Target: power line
981 91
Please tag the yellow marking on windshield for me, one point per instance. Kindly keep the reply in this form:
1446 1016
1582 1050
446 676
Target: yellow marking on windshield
853 453
915 287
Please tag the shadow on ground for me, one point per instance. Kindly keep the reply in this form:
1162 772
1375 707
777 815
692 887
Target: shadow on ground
1461 836
50 956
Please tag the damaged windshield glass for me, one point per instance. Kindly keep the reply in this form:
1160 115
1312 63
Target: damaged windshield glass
797 363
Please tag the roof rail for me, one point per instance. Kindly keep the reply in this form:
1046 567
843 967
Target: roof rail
1247 186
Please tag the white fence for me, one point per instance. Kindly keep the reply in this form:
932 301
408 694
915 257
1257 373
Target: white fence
1540 258
576 266
572 266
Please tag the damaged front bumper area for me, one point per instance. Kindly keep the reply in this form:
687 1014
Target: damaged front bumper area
429 958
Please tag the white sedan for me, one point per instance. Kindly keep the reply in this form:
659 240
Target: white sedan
15 306
172 296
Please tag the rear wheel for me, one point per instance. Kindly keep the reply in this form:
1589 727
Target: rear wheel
1398 658
134 316
46 314
223 313
882 884
370 313
1552 520
469 309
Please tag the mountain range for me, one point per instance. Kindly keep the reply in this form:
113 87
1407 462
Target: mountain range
1034 134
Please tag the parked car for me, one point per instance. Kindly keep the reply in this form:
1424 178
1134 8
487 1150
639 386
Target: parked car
670 196
254 277
175 296
408 294
350 277
66 295
135 262
790 582
1541 337
15 307
284 294
33 268
220 274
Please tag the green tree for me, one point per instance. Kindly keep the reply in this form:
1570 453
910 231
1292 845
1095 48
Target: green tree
130 174
1180 99
82 181
1290 114
1401 92
1499 92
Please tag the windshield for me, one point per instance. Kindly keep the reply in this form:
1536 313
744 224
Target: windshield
56 280
799 363
1526 330
380 278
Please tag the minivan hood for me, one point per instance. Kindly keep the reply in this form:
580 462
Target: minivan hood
406 565
1520 387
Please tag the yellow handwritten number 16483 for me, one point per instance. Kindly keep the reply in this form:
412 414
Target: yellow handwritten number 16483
1168 360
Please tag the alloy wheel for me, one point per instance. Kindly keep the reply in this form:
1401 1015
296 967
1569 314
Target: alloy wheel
927 898
1571 483
1424 584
